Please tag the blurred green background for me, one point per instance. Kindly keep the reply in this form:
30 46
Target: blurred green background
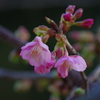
30 18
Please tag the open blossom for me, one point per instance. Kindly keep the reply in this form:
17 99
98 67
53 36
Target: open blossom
44 68
38 55
65 63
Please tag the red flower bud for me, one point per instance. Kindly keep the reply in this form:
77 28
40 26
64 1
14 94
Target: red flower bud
70 8
87 23
78 13
67 16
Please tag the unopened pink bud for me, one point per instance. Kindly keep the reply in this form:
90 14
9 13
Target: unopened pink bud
67 16
87 23
78 13
59 52
70 8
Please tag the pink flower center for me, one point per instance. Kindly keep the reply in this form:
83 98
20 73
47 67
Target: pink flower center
67 65
36 53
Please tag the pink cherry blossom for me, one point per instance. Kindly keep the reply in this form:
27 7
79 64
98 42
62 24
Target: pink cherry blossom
65 63
38 55
44 69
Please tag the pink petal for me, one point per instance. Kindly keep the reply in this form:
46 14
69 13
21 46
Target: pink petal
39 41
46 55
78 63
29 44
60 62
25 53
41 69
50 64
63 71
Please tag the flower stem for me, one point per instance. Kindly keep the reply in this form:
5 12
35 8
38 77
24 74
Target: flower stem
85 82
74 52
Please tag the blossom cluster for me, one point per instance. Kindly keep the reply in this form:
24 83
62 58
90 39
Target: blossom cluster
38 54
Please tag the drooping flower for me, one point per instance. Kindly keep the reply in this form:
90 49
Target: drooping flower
46 68
65 63
38 54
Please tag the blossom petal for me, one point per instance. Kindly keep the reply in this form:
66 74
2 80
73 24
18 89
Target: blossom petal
78 63
63 71
41 69
29 44
39 41
25 53
60 62
46 55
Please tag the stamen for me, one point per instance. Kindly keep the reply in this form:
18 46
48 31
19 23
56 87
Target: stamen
67 65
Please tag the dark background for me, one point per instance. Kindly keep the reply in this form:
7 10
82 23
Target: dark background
31 13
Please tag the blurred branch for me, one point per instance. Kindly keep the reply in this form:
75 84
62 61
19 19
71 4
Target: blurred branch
95 75
71 94
94 93
9 37
10 74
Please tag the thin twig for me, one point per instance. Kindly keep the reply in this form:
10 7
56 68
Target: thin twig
85 82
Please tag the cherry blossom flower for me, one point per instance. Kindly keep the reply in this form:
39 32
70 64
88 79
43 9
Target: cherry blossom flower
65 63
38 55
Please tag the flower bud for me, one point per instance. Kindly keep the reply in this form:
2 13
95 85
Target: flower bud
70 8
67 16
87 23
22 33
22 85
60 49
79 91
78 13
41 30
59 52
52 23
45 38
